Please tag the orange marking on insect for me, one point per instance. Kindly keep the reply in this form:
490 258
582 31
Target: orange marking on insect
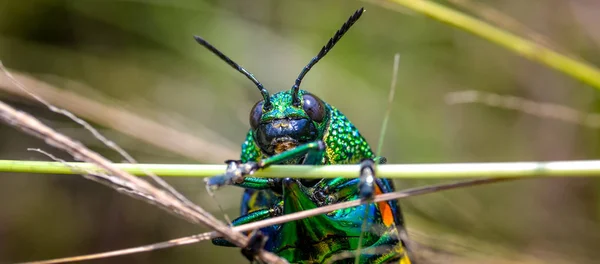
385 209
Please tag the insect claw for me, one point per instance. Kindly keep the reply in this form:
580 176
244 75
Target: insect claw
321 145
380 160
231 175
250 167
234 174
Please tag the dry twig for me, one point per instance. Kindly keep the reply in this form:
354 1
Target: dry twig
122 119
547 110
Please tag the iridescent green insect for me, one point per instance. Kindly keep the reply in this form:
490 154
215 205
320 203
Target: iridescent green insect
296 127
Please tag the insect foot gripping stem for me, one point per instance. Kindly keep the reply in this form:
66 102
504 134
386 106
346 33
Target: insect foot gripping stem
235 173
366 185
256 242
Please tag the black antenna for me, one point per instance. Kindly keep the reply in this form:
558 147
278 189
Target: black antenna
263 91
332 41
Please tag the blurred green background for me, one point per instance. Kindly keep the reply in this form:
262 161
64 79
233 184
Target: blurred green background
139 56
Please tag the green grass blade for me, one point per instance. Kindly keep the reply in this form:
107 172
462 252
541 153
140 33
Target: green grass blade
392 171
577 69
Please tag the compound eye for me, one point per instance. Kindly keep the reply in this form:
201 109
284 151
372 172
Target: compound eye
256 114
314 107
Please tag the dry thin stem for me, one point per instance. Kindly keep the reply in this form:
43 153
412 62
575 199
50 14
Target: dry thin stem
126 121
547 110
109 143
388 111
279 220
194 214
166 244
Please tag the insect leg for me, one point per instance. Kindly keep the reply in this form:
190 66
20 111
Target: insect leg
236 172
251 217
314 154
310 149
338 188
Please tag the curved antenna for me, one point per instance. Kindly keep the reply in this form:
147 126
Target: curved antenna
332 41
263 91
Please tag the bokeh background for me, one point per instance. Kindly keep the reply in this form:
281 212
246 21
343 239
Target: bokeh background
133 65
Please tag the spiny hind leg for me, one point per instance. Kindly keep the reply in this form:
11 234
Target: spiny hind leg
254 216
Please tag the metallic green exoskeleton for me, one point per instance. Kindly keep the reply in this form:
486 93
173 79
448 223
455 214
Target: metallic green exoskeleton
296 127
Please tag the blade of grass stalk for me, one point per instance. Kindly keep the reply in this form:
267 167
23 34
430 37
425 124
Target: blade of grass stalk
577 69
388 111
574 168
107 180
497 17
280 220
